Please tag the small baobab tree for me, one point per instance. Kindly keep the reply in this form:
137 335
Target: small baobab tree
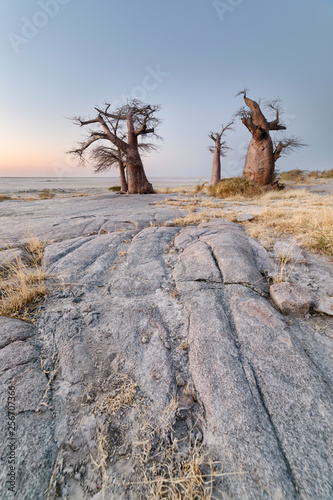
219 150
263 152
127 128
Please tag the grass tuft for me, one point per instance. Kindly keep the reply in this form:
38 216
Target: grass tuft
182 469
236 188
121 396
114 188
23 282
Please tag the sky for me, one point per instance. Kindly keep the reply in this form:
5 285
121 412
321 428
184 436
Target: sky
60 58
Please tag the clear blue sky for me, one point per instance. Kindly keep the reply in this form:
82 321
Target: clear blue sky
63 58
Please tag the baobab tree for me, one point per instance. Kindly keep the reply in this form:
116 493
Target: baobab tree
263 152
127 128
219 149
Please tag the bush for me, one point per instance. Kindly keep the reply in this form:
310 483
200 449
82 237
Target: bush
235 186
327 174
115 188
293 175
46 194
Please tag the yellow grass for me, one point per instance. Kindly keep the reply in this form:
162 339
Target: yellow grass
23 282
178 189
192 219
121 396
21 286
195 202
235 188
292 197
182 470
312 226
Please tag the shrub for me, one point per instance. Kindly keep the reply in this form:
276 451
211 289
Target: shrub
46 194
115 188
293 175
235 187
327 174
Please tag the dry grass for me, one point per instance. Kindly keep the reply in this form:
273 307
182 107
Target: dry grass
312 226
99 463
181 469
235 188
23 282
121 396
178 189
192 219
189 478
195 202
35 248
293 198
281 272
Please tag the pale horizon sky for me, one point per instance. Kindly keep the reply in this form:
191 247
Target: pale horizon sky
63 57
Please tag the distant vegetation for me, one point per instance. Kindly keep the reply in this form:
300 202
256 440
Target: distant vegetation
4 197
303 175
46 194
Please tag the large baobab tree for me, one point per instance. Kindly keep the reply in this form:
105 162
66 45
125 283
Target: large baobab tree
263 152
127 128
219 149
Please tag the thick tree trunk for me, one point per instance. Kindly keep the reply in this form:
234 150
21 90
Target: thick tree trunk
136 177
216 172
259 162
123 182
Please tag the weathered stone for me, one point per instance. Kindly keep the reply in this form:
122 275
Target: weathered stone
325 305
35 450
245 217
197 264
290 298
183 342
14 329
263 261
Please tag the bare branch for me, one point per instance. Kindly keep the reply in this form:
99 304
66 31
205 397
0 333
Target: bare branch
287 145
105 158
275 105
217 136
244 91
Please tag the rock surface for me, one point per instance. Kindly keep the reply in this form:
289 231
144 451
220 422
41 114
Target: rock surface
159 340
325 305
245 217
290 298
